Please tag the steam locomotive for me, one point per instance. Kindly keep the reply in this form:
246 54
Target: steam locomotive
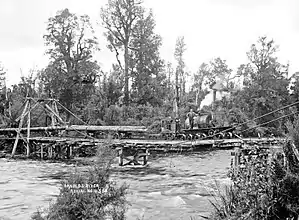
206 126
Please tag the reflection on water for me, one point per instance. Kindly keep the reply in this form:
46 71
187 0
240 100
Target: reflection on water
171 187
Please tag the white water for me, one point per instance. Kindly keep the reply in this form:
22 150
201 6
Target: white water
171 187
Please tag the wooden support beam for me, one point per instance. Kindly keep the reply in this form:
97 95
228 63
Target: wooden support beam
71 151
295 150
54 113
237 158
50 152
120 156
19 129
28 129
29 110
55 107
68 151
23 138
147 153
139 154
41 151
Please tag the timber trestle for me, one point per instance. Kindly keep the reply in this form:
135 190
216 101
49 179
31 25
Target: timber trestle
58 140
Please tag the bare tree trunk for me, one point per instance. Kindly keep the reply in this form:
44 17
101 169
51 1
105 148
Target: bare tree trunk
176 95
126 75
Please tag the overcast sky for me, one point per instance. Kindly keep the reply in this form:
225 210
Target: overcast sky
212 28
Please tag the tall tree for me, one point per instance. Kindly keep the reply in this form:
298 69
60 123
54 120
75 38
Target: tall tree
112 85
2 78
72 72
3 92
148 77
180 49
266 87
295 87
202 79
119 18
169 74
220 71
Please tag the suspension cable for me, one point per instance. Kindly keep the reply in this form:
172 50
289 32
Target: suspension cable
269 113
267 122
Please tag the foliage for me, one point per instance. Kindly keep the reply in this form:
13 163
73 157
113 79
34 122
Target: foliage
222 73
180 74
223 203
216 74
148 78
263 188
294 87
292 127
143 115
106 201
199 88
119 18
71 74
266 83
265 88
2 78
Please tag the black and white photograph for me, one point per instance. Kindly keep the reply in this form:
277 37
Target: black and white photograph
149 110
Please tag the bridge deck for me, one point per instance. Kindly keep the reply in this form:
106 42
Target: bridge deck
81 128
161 143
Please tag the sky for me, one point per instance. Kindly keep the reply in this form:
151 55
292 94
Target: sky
211 28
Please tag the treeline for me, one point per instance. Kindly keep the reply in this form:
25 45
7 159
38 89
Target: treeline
141 87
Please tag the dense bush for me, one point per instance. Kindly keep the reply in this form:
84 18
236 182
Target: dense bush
263 188
102 200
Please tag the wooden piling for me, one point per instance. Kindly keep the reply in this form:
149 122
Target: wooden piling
120 156
146 156
71 151
41 151
237 159
50 152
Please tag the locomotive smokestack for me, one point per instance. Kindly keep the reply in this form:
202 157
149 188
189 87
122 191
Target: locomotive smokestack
214 95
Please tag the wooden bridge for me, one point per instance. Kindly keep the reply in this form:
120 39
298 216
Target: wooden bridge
60 140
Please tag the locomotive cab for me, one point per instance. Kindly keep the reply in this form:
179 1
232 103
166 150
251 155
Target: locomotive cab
166 125
170 127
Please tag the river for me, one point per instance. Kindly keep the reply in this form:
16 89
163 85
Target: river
173 186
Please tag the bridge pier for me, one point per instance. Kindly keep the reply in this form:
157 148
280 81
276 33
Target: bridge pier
41 151
50 152
132 156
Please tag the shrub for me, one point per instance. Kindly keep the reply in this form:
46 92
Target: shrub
102 200
260 190
293 131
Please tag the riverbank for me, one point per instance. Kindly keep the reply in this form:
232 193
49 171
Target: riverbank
265 184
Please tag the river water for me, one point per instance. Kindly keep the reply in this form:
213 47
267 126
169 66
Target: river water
172 186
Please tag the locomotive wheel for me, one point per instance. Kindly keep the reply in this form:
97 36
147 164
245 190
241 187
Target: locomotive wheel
229 135
116 136
198 136
173 137
203 135
190 137
165 136
183 137
220 135
169 137
210 132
